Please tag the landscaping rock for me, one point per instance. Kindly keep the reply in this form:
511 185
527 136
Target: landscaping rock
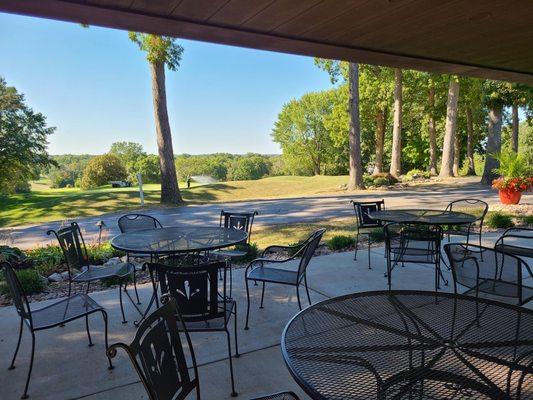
55 277
112 261
64 275
44 280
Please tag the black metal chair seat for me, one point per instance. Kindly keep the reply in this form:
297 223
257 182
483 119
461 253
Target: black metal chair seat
515 250
63 311
213 323
95 273
279 396
502 288
276 275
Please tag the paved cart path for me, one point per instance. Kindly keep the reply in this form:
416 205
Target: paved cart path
277 211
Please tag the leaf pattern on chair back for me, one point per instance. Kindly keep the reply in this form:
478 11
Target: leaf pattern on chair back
159 358
195 289
19 298
71 243
308 250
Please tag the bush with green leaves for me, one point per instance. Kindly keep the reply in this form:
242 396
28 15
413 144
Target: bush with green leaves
45 260
340 242
14 256
416 174
100 170
249 167
383 179
498 220
100 254
30 281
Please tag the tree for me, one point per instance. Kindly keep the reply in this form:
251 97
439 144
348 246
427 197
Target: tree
520 96
396 164
129 153
248 167
356 169
23 141
432 131
446 168
148 167
101 170
302 135
472 103
162 51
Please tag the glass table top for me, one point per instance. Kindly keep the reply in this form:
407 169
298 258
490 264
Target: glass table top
178 239
434 217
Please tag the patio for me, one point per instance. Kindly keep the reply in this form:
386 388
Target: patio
65 367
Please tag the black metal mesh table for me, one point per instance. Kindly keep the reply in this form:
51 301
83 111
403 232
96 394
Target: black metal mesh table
177 239
411 345
420 216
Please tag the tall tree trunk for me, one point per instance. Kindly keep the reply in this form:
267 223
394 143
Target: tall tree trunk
470 142
456 154
396 163
381 121
432 132
516 122
170 192
446 168
494 144
356 168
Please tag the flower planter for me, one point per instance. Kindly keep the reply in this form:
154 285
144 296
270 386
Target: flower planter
510 196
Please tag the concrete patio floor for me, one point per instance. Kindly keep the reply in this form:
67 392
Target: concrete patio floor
66 368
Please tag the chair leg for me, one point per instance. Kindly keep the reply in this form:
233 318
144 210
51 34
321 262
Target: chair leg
369 242
230 277
104 316
356 244
233 392
307 289
298 296
247 303
12 366
120 300
91 344
262 295
25 395
235 333
135 286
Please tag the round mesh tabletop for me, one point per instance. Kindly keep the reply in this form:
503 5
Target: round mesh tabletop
411 345
177 239
434 217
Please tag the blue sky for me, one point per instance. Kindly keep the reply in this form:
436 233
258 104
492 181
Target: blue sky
94 86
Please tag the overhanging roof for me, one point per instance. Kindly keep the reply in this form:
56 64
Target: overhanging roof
485 38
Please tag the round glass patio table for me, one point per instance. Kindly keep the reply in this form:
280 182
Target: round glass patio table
421 216
177 239
411 345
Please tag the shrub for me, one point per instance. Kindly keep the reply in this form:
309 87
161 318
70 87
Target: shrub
340 242
100 254
30 280
416 174
14 256
253 252
383 179
527 219
102 169
45 259
377 235
499 220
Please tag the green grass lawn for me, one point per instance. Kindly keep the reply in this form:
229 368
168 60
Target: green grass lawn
43 204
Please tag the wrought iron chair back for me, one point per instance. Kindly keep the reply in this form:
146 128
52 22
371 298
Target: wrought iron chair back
15 288
158 357
195 288
241 221
73 246
307 251
135 222
486 270
363 208
475 207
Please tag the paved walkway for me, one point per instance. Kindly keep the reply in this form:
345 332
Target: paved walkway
65 368
277 211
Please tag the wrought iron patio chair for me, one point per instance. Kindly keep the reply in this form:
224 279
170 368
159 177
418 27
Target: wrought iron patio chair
237 220
58 313
279 396
75 253
203 304
475 207
489 271
413 243
260 271
365 225
507 242
135 222
158 357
